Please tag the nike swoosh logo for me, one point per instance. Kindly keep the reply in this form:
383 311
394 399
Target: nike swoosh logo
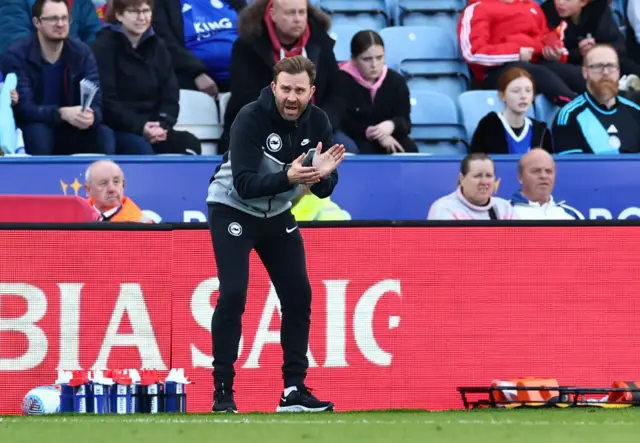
283 399
289 231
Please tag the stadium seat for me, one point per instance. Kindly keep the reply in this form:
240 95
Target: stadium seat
447 21
403 9
223 100
367 14
436 128
199 115
427 56
474 105
545 110
343 34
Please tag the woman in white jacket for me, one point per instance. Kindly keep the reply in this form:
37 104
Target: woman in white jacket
473 199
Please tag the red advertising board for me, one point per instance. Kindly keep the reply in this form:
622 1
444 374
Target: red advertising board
400 316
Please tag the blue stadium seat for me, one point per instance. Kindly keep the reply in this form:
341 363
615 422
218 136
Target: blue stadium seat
436 128
444 20
343 34
428 56
474 105
545 110
405 8
368 14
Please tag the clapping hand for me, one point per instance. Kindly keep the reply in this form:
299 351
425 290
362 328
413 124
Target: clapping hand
302 175
326 162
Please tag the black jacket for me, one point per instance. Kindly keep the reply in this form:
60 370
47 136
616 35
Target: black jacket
391 103
138 84
490 136
253 174
596 19
252 63
168 24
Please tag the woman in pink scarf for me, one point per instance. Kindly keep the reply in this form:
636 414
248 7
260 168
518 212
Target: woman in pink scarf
378 110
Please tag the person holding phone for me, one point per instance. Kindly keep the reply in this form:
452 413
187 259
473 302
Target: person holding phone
278 144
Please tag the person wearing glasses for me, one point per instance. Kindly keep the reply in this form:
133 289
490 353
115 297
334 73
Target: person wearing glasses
16 22
599 121
140 90
50 68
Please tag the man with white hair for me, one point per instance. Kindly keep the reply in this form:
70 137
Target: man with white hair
104 184
534 201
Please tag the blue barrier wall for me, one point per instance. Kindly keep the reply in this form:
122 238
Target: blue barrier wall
370 188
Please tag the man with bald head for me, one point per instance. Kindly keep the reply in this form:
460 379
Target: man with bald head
104 184
270 30
599 121
534 201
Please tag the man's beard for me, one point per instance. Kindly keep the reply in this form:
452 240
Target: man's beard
604 89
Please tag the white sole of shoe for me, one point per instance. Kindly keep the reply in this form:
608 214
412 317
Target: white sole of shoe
300 408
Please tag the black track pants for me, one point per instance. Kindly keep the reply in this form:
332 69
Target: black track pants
279 245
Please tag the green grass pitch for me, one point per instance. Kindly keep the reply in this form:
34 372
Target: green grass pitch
521 426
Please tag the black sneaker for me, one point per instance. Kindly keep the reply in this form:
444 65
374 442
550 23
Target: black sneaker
223 401
303 401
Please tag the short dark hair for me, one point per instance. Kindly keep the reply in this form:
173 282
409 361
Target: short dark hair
466 162
38 6
363 40
295 65
118 7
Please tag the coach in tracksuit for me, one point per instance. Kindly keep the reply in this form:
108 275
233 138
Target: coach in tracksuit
278 143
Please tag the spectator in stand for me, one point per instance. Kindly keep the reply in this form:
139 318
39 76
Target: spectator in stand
50 67
309 207
473 199
588 23
598 121
496 35
139 87
199 35
16 21
104 184
633 29
511 131
534 201
271 30
377 114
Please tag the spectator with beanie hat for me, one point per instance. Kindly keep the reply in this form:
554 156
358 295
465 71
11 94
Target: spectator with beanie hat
271 30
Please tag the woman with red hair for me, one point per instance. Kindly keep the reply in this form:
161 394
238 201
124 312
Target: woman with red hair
496 35
511 131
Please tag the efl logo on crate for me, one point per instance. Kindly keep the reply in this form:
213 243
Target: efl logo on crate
122 391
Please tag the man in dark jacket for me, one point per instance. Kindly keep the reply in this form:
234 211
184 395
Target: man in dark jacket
15 21
139 88
250 208
50 67
269 31
588 23
199 35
